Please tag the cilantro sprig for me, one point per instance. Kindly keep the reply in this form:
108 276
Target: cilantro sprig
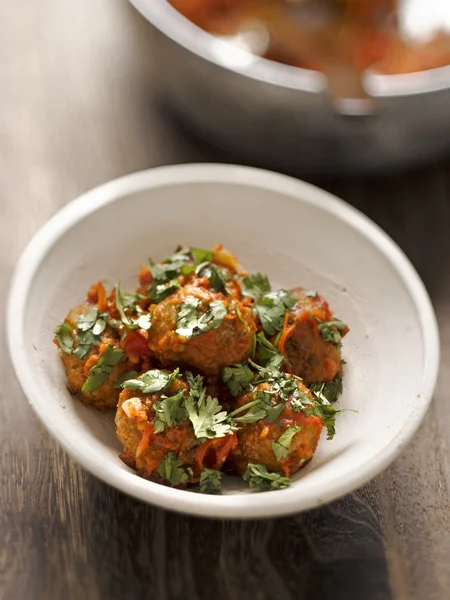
89 328
259 477
271 309
211 482
331 331
102 370
255 286
64 337
171 470
331 389
190 322
238 378
129 301
152 381
282 445
169 410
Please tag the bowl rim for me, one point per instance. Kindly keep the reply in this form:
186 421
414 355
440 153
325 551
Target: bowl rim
180 30
235 505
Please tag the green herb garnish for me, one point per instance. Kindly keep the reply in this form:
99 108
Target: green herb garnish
152 381
268 356
281 446
64 337
217 281
189 323
201 256
323 409
128 301
120 380
237 378
255 286
211 482
169 411
88 320
331 389
102 370
171 470
207 416
271 309
331 331
86 339
259 477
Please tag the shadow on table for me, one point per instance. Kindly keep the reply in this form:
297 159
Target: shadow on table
335 552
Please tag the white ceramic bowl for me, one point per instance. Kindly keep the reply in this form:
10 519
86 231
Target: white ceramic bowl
292 231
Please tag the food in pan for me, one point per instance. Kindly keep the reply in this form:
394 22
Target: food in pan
330 35
208 369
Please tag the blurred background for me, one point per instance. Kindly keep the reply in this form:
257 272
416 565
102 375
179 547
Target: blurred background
353 96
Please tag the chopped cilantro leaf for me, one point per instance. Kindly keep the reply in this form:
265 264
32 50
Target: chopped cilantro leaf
271 309
281 446
169 411
195 384
216 279
323 409
87 321
85 339
189 323
152 381
199 255
331 389
259 477
255 414
188 317
171 470
99 326
237 378
163 290
255 286
124 301
268 355
311 294
102 370
274 412
144 322
64 337
207 417
128 375
211 482
331 331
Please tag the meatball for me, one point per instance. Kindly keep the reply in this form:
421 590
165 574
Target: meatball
85 351
310 340
148 449
265 441
202 329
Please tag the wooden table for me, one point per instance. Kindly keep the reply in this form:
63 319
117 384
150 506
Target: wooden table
76 110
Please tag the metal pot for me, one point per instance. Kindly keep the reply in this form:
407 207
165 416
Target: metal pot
282 117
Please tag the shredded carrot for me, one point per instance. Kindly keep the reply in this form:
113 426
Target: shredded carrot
145 440
91 362
264 433
145 276
102 303
285 332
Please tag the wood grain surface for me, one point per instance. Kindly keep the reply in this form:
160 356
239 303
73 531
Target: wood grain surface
76 109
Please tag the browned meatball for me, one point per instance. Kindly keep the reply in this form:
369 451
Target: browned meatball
174 454
310 339
268 441
202 329
83 364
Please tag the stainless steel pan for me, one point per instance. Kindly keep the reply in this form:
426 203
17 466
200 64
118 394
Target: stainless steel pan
282 117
